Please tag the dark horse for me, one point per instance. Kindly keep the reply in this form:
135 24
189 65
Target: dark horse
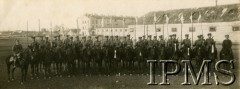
226 54
212 54
173 54
22 62
199 54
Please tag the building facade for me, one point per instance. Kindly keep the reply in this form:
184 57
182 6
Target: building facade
89 23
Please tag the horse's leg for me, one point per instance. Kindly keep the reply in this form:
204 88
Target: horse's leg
8 71
13 73
22 76
32 70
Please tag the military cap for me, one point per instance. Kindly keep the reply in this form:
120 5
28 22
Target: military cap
77 37
155 36
41 36
226 35
83 37
89 37
173 34
186 34
46 37
160 36
96 36
199 36
150 36
209 34
33 37
139 37
116 36
170 35
67 35
106 36
143 36
111 36
55 36
128 35
71 37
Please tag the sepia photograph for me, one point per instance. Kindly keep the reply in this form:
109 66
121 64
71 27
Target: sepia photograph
119 44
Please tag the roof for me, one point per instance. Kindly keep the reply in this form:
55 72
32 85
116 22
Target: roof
222 13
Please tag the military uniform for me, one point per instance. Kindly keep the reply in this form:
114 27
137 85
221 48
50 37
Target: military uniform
209 41
35 45
47 44
17 48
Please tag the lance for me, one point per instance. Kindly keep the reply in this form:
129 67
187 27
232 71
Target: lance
27 32
39 28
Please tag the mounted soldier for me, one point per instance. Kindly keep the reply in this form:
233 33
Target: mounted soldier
199 50
226 52
77 48
209 41
97 60
34 62
161 48
89 56
169 47
117 53
155 46
139 48
186 48
47 57
17 49
150 48
129 53
106 50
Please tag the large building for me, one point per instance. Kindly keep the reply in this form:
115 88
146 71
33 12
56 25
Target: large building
89 23
218 20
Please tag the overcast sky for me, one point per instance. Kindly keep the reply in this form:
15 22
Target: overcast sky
14 14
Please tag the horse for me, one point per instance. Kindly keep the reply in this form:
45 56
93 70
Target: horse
173 53
22 62
226 54
34 62
199 54
186 53
212 54
70 59
58 58
139 58
47 61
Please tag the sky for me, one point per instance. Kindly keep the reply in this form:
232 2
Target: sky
14 14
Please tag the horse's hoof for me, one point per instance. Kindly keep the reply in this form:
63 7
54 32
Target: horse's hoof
8 81
21 83
13 79
32 78
69 76
61 76
45 78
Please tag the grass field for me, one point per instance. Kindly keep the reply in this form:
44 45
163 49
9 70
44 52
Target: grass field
100 82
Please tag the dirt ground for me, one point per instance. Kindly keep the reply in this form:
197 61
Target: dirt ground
134 81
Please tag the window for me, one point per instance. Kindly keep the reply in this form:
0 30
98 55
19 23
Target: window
107 30
235 28
115 30
191 29
125 30
120 30
212 29
174 29
158 29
